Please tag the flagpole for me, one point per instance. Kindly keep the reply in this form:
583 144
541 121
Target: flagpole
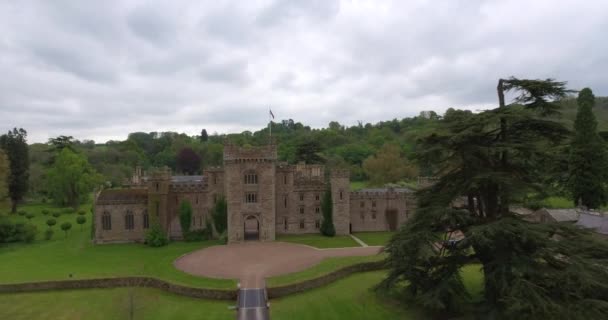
269 125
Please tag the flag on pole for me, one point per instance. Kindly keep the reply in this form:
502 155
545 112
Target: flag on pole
271 114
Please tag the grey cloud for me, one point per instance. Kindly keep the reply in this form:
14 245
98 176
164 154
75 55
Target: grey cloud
99 70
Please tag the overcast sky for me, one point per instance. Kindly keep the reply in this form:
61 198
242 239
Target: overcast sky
101 69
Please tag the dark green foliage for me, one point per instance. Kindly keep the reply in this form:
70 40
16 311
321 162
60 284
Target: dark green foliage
29 216
219 213
81 221
204 136
156 237
309 151
22 213
45 212
198 235
185 217
48 234
51 222
66 226
327 225
62 142
69 210
15 146
588 163
16 232
188 161
531 271
81 212
56 214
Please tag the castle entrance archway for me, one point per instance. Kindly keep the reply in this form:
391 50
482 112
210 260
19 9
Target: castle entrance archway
251 228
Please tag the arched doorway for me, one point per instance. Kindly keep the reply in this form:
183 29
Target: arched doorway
251 228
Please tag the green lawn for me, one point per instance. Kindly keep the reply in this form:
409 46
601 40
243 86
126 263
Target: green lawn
77 256
326 266
357 185
557 203
319 241
380 238
92 304
353 298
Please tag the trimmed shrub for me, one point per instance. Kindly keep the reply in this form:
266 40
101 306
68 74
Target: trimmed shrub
56 214
29 216
48 234
197 235
69 210
81 220
81 212
185 217
156 237
51 222
22 213
45 212
16 232
66 226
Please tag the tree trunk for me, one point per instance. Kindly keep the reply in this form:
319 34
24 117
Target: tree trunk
504 192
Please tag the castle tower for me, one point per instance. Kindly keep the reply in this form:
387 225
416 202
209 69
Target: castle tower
249 181
158 190
340 195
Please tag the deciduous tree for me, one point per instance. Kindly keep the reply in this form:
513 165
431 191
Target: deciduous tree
71 178
188 161
219 214
389 166
4 176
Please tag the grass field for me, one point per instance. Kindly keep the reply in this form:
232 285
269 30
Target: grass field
319 241
326 266
75 255
102 304
375 238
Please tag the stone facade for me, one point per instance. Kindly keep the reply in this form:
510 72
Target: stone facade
265 198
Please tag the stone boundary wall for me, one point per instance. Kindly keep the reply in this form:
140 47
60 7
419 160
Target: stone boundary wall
144 282
289 289
201 293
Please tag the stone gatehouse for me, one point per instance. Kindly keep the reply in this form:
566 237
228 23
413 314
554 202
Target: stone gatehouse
265 197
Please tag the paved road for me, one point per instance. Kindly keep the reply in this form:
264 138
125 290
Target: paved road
252 305
252 262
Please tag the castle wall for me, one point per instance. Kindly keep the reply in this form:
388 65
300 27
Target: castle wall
117 211
340 196
381 210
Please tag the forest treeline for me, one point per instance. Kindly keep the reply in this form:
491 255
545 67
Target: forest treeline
377 153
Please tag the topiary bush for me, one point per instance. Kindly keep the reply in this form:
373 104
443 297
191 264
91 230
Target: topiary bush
66 226
51 222
56 214
28 233
45 212
156 237
81 212
81 220
29 216
48 234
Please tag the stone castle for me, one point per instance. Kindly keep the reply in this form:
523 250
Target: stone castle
265 198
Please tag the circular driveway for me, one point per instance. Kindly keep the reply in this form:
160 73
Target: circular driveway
252 262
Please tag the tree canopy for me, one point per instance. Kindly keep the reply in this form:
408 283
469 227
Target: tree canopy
490 160
188 161
71 178
388 165
4 175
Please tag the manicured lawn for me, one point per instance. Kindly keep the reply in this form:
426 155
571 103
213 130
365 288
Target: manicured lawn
77 256
557 203
92 304
380 238
351 298
326 266
357 185
319 241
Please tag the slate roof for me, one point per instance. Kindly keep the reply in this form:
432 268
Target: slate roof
186 179
383 190
597 222
563 215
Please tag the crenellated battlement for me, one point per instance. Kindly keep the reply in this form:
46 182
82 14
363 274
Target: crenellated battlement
234 153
